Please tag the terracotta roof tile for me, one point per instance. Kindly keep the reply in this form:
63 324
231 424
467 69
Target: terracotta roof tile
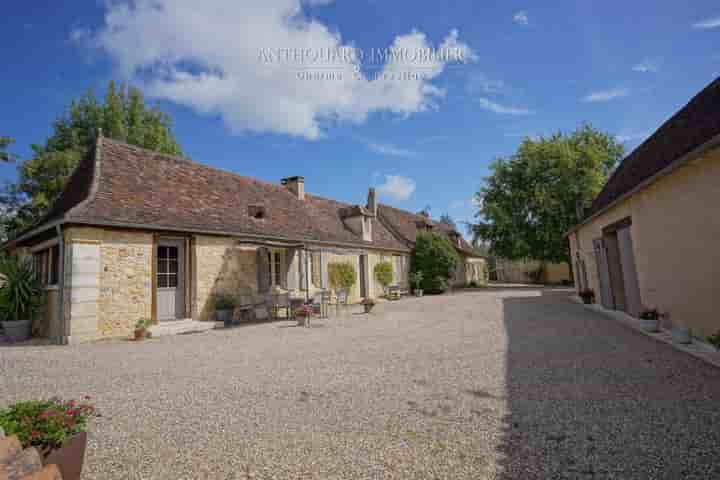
137 187
405 224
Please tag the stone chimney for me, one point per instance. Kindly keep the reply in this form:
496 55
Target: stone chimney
296 185
372 202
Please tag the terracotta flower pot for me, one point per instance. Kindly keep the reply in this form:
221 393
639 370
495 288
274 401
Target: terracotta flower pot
368 307
141 334
70 457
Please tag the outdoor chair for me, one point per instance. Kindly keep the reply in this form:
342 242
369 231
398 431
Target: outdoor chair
280 302
321 300
394 292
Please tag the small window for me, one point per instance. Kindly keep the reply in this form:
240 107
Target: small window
47 265
256 211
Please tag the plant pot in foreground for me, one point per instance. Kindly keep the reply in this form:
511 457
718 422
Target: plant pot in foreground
17 330
368 307
418 292
70 457
650 325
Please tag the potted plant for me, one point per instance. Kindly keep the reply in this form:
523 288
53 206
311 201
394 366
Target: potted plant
304 313
224 308
587 295
21 296
384 274
368 304
416 279
142 329
56 428
650 320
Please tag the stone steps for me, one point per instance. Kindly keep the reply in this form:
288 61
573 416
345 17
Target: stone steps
179 327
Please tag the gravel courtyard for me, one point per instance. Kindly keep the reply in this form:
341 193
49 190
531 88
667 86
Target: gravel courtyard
492 384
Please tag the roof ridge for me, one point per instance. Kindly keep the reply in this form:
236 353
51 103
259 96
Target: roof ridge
190 161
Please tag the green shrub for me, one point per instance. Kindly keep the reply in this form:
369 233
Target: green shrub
143 324
21 295
225 302
45 424
341 275
416 279
437 259
384 273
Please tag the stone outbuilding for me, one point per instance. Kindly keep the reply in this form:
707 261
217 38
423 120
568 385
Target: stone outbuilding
649 240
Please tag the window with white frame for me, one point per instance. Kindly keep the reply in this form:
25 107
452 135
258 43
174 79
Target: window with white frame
275 261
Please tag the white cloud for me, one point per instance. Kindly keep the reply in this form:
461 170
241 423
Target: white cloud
521 18
397 187
606 95
390 150
632 136
707 24
648 65
495 107
207 56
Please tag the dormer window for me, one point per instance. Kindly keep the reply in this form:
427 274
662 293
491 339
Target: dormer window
256 211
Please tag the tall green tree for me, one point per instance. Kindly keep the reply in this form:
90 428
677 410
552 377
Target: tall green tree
122 115
530 199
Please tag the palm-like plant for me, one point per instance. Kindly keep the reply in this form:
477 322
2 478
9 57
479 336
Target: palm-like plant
21 293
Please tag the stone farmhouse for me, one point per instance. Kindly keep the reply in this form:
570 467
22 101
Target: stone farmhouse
138 234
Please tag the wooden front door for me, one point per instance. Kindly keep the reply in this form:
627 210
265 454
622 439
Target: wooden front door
170 280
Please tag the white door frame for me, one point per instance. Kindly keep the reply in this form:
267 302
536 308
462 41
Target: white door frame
170 287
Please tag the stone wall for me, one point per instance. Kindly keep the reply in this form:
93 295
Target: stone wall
220 266
123 293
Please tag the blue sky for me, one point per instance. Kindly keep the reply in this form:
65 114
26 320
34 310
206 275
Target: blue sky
528 69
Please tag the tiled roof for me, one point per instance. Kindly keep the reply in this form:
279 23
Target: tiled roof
137 187
405 224
691 127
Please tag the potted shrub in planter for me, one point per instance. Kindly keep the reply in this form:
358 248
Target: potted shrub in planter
142 329
21 297
384 274
587 295
56 428
368 304
416 279
650 320
224 308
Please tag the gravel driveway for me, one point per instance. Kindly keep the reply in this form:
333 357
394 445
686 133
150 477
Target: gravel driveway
493 384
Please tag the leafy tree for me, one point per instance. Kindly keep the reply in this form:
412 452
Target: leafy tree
436 258
122 115
341 275
530 199
6 156
384 273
